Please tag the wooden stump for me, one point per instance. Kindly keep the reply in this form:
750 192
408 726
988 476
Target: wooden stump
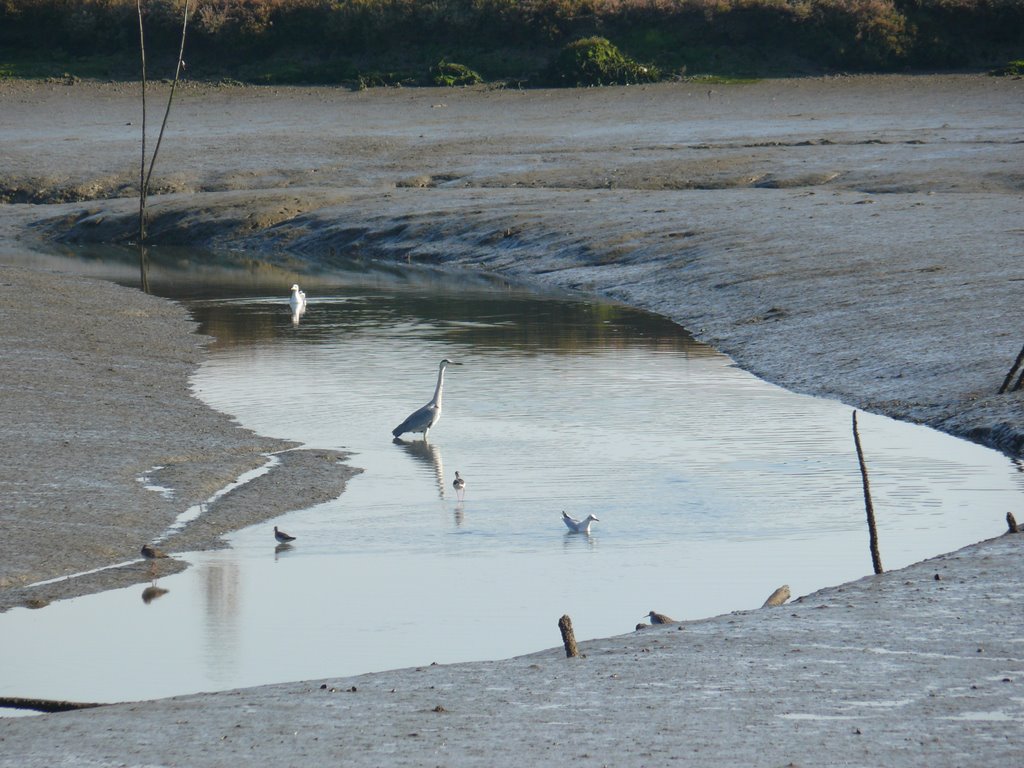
568 638
778 597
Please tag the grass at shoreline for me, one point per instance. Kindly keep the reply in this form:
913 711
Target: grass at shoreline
400 42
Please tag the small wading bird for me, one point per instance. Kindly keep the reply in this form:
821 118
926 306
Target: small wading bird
660 618
152 553
578 526
282 537
459 485
423 419
298 299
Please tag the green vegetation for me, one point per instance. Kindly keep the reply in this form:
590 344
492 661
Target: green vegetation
595 61
450 74
370 42
1011 69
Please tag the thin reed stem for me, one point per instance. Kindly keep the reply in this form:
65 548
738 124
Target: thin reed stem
142 165
170 97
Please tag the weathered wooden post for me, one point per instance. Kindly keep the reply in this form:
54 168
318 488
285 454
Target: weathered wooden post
1009 375
778 597
568 638
876 558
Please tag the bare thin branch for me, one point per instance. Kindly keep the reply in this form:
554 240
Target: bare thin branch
170 98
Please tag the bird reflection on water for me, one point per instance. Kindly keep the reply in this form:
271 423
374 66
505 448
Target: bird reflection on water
152 592
426 453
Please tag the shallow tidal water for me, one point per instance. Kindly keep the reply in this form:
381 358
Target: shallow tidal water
712 488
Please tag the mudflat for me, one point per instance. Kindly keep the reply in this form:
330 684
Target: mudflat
856 238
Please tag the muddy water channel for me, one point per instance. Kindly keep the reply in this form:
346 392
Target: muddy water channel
712 488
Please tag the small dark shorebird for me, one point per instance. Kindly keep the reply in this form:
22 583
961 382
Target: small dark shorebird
282 537
152 553
660 618
459 484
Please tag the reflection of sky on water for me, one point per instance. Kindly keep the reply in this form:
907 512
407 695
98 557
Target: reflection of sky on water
713 489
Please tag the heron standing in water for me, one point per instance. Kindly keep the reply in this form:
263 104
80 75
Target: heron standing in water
424 418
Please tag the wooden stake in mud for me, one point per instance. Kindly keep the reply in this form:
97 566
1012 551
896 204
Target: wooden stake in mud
1013 369
568 638
1011 523
778 597
876 559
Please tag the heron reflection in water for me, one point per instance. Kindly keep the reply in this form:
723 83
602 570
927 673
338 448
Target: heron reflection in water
428 454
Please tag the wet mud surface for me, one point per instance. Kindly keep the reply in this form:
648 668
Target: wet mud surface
855 238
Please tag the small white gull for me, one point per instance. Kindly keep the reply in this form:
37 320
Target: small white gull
578 526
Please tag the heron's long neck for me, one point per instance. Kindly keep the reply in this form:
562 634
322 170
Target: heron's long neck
440 386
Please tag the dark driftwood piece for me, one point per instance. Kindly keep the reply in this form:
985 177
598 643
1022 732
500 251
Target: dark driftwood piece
1011 523
44 705
1013 369
568 638
876 558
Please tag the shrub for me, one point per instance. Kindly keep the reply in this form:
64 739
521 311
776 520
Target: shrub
596 61
450 74
1013 68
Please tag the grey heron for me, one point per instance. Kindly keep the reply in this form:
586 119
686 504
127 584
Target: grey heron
424 418
578 526
459 484
660 618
